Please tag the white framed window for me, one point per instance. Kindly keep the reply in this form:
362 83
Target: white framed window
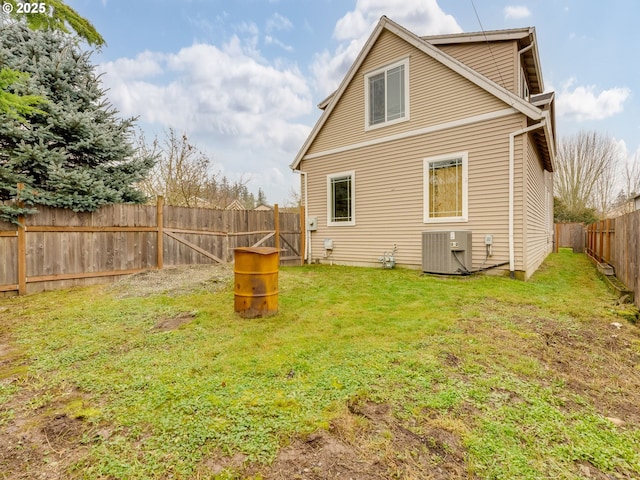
446 184
341 201
386 92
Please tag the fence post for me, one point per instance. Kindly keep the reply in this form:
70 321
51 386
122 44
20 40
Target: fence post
276 220
225 247
601 242
160 226
608 249
22 247
303 235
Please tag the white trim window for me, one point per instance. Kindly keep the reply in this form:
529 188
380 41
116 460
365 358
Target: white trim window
446 185
386 92
341 201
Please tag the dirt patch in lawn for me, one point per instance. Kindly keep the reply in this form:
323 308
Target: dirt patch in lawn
40 442
365 442
596 358
171 323
174 281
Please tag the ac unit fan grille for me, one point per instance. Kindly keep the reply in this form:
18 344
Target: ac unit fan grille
443 252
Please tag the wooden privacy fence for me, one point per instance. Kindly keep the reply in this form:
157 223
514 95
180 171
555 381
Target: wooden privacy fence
616 242
570 235
59 248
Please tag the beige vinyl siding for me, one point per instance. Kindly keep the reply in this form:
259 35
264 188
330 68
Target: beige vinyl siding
390 192
538 228
497 61
436 95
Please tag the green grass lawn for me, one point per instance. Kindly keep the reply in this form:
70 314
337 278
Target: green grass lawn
520 376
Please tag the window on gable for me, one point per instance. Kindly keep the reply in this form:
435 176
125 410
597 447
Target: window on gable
386 93
341 199
445 188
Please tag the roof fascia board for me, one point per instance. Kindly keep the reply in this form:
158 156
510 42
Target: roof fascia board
494 36
536 60
480 80
491 36
551 144
483 82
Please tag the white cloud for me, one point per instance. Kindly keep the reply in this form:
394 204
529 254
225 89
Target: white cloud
422 17
278 22
214 89
146 64
241 109
516 12
269 40
330 67
583 102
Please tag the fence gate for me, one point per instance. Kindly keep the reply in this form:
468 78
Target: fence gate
571 235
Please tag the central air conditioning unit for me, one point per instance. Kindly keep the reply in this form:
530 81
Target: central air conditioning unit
446 252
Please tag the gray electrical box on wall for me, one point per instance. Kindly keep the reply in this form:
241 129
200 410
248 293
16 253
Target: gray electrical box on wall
312 224
446 252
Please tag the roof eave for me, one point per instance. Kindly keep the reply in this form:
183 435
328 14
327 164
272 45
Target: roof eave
470 74
473 37
526 108
524 36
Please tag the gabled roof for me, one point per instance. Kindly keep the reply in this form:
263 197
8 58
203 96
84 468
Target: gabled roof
519 104
235 205
527 45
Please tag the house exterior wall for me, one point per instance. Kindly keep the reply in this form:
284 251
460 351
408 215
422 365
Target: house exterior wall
538 210
436 96
448 115
497 61
389 193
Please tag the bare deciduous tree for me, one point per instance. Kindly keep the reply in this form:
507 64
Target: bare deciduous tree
585 174
181 171
185 176
631 179
294 200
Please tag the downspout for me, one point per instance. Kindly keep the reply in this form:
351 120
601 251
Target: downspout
526 49
512 136
521 66
307 242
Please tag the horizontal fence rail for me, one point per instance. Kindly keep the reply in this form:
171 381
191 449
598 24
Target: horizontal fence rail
59 248
616 242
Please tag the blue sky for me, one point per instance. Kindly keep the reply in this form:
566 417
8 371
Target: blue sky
243 77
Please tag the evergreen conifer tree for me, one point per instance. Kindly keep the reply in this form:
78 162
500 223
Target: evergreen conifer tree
74 152
52 15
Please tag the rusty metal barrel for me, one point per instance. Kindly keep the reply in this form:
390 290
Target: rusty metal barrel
256 281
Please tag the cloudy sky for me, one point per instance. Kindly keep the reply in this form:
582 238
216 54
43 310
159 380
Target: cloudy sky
243 77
